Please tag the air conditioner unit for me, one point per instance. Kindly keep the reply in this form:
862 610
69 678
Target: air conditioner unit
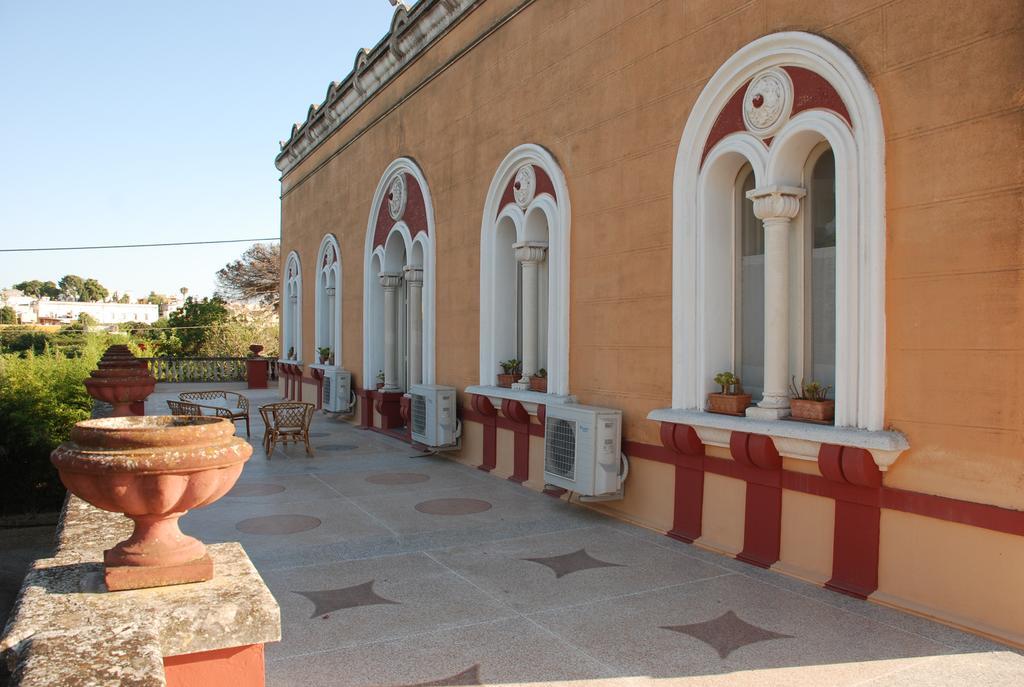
432 415
337 390
582 449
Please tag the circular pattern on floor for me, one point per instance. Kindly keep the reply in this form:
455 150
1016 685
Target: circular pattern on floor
338 447
397 478
278 524
453 506
255 489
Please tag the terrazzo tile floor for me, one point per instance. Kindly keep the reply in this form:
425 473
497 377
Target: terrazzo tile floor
393 569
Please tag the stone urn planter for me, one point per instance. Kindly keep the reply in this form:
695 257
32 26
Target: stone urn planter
154 470
121 385
256 349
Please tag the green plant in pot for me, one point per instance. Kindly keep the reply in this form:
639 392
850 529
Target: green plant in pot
325 354
731 400
539 381
380 379
809 401
510 371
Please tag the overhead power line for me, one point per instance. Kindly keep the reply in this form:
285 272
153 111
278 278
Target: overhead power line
137 245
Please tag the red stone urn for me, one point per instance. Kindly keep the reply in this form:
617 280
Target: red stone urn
256 349
122 380
153 469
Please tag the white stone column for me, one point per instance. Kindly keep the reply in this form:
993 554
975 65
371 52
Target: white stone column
530 254
775 206
414 278
390 281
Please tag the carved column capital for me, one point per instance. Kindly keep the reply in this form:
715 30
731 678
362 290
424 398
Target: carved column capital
531 251
413 275
390 280
776 202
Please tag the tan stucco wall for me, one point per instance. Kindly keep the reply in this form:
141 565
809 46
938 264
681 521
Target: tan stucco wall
606 87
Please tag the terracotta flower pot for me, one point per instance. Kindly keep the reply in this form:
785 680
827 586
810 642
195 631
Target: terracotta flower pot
154 470
506 380
256 349
539 384
730 404
819 411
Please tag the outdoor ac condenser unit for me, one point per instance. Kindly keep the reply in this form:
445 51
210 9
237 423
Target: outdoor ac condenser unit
582 449
432 415
337 388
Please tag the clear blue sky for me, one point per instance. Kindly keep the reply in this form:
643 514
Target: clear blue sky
138 122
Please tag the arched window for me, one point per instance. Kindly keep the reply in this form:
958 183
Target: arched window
291 311
328 299
524 270
820 258
398 293
787 138
749 318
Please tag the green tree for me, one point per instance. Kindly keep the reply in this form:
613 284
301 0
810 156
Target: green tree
39 289
155 298
192 322
8 316
71 287
233 336
87 320
94 291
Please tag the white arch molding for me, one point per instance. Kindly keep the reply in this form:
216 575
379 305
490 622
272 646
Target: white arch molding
291 330
860 219
558 213
418 251
328 276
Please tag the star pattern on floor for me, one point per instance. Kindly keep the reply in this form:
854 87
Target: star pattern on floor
469 676
568 563
329 600
727 633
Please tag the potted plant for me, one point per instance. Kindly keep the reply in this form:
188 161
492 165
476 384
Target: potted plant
291 353
732 400
810 401
380 379
510 371
325 354
539 381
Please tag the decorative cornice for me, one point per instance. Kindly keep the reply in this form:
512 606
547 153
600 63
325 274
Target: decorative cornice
413 30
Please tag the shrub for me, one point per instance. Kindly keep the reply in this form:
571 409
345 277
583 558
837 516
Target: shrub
41 398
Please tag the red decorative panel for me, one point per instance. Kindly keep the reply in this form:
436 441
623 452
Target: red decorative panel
544 185
810 91
415 215
688 504
515 412
487 412
762 524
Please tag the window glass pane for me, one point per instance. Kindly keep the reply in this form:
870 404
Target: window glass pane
750 366
823 271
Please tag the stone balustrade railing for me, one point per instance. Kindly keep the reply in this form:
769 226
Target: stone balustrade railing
203 369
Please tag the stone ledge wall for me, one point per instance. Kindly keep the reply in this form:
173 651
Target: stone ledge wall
66 628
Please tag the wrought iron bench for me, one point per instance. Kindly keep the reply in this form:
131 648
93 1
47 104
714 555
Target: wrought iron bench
233 405
286 422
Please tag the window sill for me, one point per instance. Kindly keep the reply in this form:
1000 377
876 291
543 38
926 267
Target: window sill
792 439
324 366
289 362
529 399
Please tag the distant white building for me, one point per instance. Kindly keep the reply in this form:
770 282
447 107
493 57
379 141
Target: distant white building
31 310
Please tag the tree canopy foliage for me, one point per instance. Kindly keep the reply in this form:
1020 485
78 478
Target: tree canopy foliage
255 276
39 289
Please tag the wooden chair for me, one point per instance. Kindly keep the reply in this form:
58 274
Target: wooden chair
233 405
286 422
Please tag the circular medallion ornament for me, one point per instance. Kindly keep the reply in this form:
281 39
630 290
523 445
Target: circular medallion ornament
397 195
768 102
525 186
